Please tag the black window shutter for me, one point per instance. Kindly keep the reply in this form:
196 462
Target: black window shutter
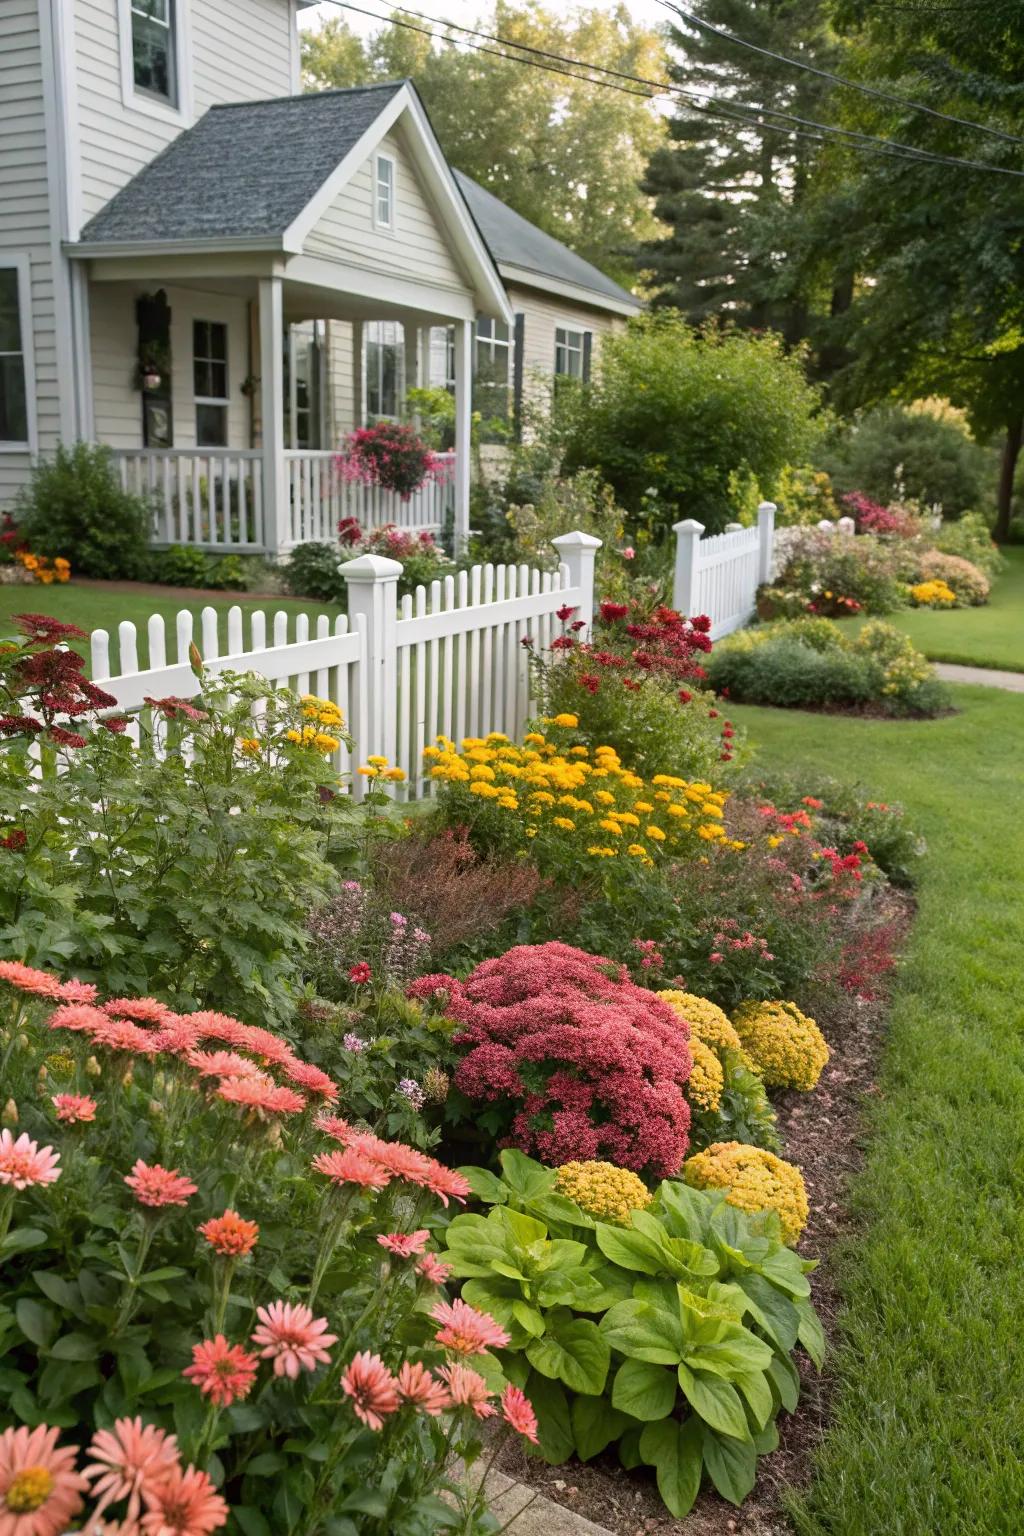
518 337
588 345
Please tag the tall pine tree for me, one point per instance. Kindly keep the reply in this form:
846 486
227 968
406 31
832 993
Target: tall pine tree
729 190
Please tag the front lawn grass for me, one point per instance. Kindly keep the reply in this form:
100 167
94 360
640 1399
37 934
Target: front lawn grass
103 608
928 1431
990 636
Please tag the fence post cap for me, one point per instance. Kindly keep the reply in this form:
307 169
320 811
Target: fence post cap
576 540
767 506
370 568
688 525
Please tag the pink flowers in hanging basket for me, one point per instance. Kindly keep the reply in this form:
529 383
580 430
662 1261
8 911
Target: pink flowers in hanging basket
390 454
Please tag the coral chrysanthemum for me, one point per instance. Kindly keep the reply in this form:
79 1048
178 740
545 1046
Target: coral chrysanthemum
185 1504
433 1269
416 1385
259 1094
517 1411
157 1187
230 1234
39 1488
223 1372
72 1108
465 1331
404 1245
23 1162
27 979
129 1460
350 1167
468 1389
293 1338
372 1388
305 1075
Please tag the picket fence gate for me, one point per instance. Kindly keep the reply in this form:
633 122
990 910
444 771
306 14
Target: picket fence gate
720 576
449 659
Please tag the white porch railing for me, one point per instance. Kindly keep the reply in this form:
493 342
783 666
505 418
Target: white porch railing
213 498
720 576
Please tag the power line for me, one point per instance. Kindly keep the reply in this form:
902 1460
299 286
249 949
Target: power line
824 74
891 149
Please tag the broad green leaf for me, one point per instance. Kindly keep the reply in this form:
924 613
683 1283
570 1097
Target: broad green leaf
685 1258
642 1331
739 1351
525 1177
767 1440
251 1521
554 1426
772 1309
21 1240
811 1334
573 1351
717 1401
674 1451
495 1296
595 1425
631 1250
522 1228
629 1448
37 1321
784 1268
528 1318
783 1374
485 1185
75 1346
755 1387
644 1391
265 1465
365 1501
561 1254
731 1464
687 1212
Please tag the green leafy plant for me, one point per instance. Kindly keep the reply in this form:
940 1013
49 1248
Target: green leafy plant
671 1338
74 506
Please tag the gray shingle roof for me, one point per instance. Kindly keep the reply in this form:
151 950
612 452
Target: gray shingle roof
243 171
515 242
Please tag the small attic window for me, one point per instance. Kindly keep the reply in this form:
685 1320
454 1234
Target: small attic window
384 192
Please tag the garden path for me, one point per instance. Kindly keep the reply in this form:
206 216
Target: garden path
989 677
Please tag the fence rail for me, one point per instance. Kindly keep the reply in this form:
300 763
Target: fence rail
720 576
448 659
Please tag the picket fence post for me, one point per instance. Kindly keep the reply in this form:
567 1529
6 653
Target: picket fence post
684 584
766 539
577 552
372 583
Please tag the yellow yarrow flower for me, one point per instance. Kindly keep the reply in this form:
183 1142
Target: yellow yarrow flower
603 1191
787 1047
706 1083
754 1181
563 822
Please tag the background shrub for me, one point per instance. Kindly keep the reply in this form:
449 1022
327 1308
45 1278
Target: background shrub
74 506
969 583
312 571
969 537
933 456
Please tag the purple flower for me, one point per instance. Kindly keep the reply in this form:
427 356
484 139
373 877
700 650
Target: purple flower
354 1043
410 1089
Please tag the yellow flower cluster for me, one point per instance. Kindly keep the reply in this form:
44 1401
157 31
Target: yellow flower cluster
576 793
325 718
933 594
755 1180
377 767
788 1048
708 1024
605 1192
40 568
706 1082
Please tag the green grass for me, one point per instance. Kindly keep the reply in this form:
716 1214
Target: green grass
97 608
928 1431
990 636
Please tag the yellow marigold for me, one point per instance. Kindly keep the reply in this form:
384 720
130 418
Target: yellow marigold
626 818
577 751
481 771
602 853
637 850
377 762
487 791
643 806
564 822
534 739
708 1024
325 743
707 1080
249 745
755 1180
604 797
788 1048
667 780
542 797
496 736
677 810
712 810
610 826
655 832
569 722
605 1192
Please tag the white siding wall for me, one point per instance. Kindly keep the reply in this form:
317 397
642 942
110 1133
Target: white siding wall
239 50
118 409
24 211
415 247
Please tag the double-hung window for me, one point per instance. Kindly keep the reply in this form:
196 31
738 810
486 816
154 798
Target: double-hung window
384 192
154 49
17 405
210 382
493 368
569 352
385 367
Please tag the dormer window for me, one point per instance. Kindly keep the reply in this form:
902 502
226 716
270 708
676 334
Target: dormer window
384 192
154 48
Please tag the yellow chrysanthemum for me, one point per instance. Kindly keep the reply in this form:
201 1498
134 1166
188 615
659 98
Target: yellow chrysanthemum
709 1024
788 1048
755 1180
706 1082
564 822
603 1191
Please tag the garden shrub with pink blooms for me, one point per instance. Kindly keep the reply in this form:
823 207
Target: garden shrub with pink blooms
390 454
222 1300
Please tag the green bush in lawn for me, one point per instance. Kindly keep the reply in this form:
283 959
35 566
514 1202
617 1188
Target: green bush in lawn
932 456
312 571
694 1306
74 506
969 538
682 412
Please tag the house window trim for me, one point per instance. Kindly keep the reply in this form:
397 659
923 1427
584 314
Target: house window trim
135 100
571 330
20 263
384 158
223 401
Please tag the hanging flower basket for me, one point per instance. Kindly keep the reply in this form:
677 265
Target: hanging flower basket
391 455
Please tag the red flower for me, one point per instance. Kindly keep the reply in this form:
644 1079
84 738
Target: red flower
701 623
611 612
563 643
685 695
712 714
372 1388
360 973
565 612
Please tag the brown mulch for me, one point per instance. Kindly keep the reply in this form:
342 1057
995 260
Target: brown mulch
821 1132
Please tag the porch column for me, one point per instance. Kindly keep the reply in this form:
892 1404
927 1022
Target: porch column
276 511
464 330
358 402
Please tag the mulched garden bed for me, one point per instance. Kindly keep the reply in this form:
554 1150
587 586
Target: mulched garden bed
821 1132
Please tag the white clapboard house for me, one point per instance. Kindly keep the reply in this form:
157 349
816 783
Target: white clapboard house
219 276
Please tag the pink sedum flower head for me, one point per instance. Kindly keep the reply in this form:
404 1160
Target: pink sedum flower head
185 1504
465 1331
404 1245
372 1388
24 1163
155 1186
74 1108
39 1488
417 1386
517 1411
292 1338
223 1372
468 1389
129 1460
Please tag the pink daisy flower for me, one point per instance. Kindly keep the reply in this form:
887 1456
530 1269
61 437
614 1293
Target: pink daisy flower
143 1010
433 1269
312 1079
27 979
156 1186
223 1372
185 1504
73 1107
292 1338
23 1163
226 1064
466 1331
335 1127
444 1182
75 991
262 1042
416 1385
78 1016
177 1035
405 1244
468 1389
40 1490
351 1167
394 1157
122 1035
517 1410
128 1460
372 1388
261 1095
210 1025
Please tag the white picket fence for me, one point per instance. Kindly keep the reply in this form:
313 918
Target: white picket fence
450 659
720 576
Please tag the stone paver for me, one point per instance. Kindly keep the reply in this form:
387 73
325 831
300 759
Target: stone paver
1013 682
535 1515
